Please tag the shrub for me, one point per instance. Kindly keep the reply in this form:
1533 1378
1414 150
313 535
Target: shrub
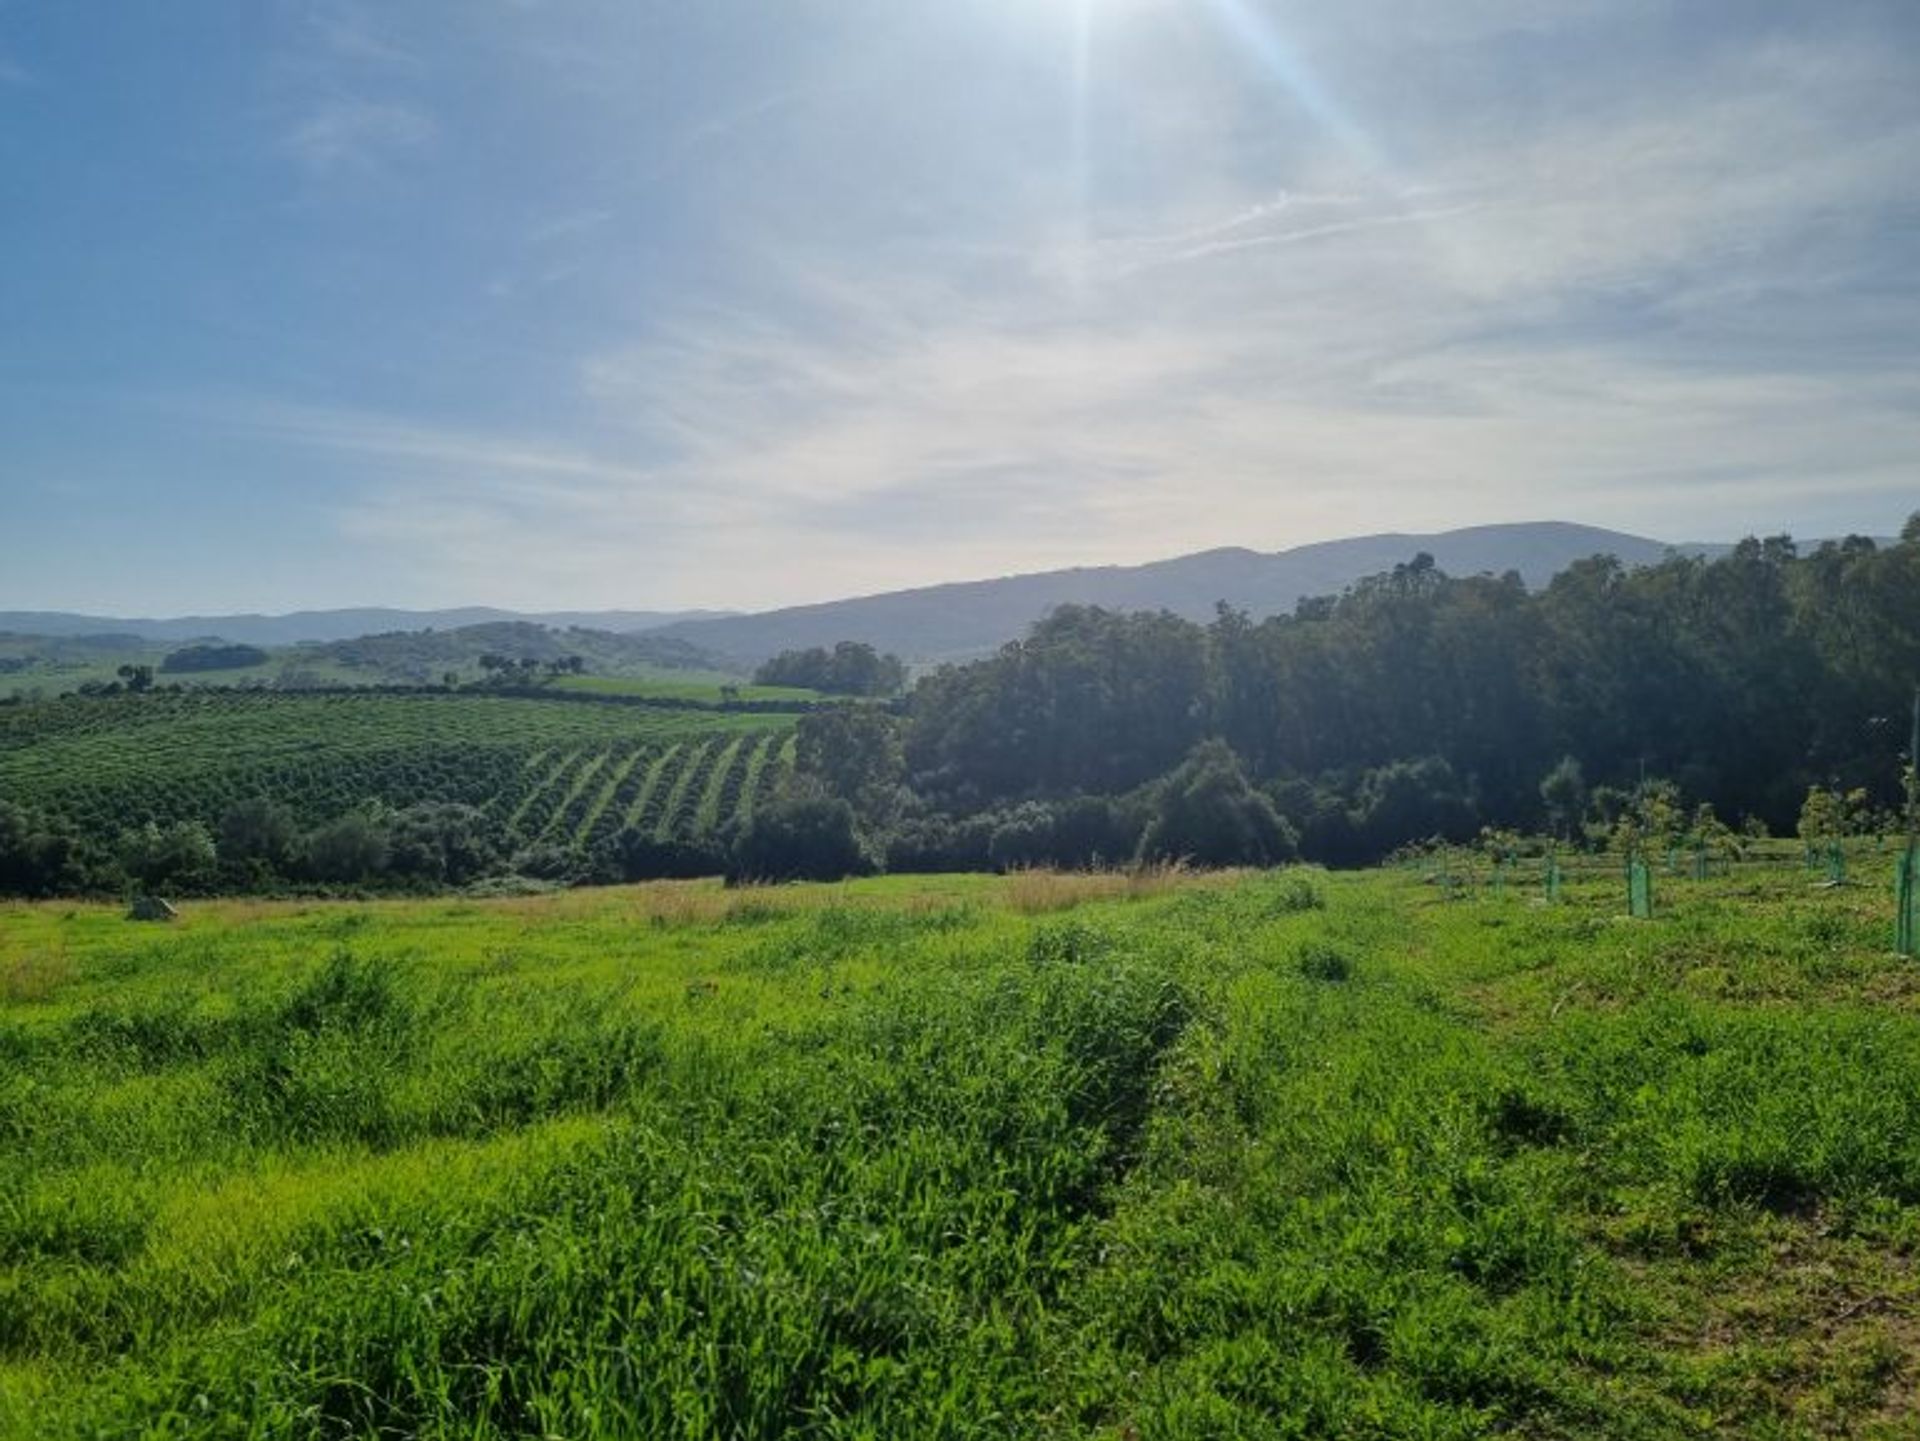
38 857
641 856
441 842
1318 961
352 847
259 829
808 838
1206 812
545 862
177 855
933 843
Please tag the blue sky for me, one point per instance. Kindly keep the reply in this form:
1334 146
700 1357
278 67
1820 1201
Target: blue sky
632 303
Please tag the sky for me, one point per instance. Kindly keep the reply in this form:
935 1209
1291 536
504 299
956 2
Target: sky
559 304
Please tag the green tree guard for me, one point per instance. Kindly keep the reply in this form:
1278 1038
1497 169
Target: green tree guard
1836 865
1639 888
1553 878
1906 902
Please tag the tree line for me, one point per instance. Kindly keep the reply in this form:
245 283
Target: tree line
851 668
1413 706
1705 696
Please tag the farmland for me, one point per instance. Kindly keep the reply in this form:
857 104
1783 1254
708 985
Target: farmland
1283 1154
694 685
35 666
554 771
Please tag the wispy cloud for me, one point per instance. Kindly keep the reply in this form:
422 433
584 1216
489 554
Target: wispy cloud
1562 333
570 224
1230 244
1547 325
354 32
943 303
356 134
510 465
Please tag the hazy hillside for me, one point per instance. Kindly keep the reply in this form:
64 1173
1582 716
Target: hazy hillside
326 625
423 655
926 624
969 618
43 664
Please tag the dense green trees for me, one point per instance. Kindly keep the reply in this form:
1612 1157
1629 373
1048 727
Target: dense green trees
1091 701
260 830
1206 812
350 848
850 668
193 658
853 752
440 842
1418 704
38 856
799 838
180 856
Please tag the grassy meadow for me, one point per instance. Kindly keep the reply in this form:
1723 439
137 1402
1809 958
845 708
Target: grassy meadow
1275 1155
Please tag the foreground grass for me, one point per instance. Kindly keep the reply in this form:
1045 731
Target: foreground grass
1284 1155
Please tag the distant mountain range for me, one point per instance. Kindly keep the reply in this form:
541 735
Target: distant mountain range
328 625
955 622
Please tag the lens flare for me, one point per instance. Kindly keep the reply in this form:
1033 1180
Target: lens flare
1264 41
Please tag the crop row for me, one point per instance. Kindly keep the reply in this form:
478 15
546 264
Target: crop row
558 772
685 790
139 736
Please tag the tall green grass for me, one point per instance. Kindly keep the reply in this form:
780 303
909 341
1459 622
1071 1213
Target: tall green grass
1291 1156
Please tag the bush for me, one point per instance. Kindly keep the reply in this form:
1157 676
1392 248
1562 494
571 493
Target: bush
1207 813
1412 800
1074 834
441 842
1320 815
352 847
259 830
809 838
1022 837
38 857
180 855
639 856
546 862
934 843
1318 961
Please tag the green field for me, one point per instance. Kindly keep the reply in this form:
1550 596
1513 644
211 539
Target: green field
689 685
45 667
569 772
1276 1155
55 678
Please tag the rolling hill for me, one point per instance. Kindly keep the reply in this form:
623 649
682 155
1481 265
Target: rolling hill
958 621
927 624
323 626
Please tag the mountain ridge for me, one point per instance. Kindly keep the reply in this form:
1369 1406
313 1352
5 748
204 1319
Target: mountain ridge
955 620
